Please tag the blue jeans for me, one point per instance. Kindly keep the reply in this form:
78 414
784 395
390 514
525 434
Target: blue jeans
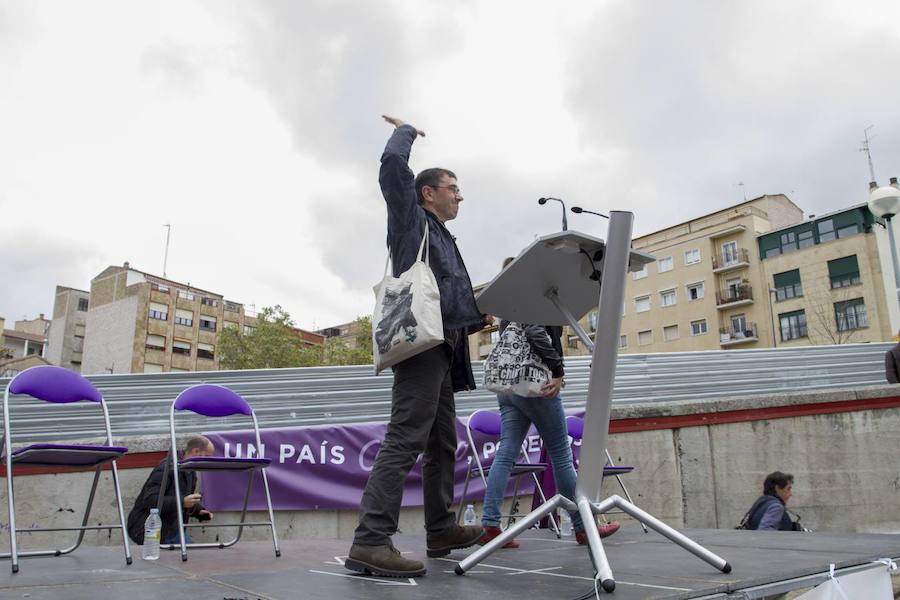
517 413
174 539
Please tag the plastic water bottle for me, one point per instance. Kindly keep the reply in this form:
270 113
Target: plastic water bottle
152 529
565 524
469 515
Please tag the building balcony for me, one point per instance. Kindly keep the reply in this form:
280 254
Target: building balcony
728 336
731 261
733 296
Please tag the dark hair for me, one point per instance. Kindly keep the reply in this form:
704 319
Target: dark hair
431 178
776 479
197 442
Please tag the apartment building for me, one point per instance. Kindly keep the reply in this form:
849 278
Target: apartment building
28 337
141 323
830 280
65 341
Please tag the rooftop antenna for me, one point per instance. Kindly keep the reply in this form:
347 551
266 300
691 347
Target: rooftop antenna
166 256
744 191
865 148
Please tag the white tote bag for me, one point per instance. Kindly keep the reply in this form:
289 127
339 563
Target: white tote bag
513 367
407 318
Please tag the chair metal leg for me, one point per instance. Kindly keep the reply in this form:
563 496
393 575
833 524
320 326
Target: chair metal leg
271 513
178 498
86 518
463 497
514 507
14 554
624 489
540 490
115 478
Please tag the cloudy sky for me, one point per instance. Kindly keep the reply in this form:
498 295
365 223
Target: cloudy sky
253 128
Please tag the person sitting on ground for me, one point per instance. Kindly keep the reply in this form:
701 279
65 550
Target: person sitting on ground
769 512
892 363
190 502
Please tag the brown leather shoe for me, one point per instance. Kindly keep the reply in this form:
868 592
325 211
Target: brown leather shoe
382 560
440 544
492 532
604 531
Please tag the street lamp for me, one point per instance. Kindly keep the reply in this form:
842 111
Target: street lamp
884 202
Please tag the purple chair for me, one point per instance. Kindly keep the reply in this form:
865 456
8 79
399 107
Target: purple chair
59 386
487 423
575 428
216 401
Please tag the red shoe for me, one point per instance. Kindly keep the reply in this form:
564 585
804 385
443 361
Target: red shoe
604 531
492 532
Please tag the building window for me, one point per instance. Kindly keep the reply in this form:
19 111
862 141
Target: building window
805 239
849 230
642 304
229 325
645 338
209 301
159 311
695 291
207 323
83 304
180 347
692 257
788 242
667 298
79 330
664 264
156 342
640 274
843 272
623 341
850 314
826 230
787 285
185 295
184 317
160 287
206 351
152 368
248 330
738 324
793 325
698 327
670 332
232 306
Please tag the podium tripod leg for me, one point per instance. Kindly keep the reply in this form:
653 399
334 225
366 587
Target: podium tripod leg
663 529
512 531
602 572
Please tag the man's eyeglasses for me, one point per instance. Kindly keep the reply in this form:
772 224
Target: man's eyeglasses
456 191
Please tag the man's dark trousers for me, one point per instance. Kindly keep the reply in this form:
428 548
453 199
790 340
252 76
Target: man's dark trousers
423 420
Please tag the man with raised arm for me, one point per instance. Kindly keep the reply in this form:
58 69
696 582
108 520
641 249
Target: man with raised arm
423 412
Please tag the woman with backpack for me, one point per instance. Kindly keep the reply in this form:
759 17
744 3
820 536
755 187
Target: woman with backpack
769 511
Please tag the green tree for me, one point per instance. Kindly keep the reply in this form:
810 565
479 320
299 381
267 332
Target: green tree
272 344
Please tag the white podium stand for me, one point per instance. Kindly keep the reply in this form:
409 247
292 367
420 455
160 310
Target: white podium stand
555 281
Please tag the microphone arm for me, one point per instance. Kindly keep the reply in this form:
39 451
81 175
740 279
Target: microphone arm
578 210
565 223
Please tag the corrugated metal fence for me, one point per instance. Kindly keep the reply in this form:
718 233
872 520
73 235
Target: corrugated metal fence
139 404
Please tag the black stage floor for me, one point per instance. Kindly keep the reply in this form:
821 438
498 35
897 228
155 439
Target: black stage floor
645 566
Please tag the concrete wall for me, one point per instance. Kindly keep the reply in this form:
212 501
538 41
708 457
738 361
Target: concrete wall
698 464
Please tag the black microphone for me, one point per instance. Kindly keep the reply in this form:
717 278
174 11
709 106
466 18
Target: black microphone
565 223
579 210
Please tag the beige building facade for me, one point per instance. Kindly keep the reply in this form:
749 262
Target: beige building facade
753 275
141 323
65 341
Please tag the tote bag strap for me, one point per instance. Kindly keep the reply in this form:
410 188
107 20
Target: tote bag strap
422 254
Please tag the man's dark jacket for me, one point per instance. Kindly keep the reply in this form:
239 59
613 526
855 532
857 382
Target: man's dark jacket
148 497
406 225
892 364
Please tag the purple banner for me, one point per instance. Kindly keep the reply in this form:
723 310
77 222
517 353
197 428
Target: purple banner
326 467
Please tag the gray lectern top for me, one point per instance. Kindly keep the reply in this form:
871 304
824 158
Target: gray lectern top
563 261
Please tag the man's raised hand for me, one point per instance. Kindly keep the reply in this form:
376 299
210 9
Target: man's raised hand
397 123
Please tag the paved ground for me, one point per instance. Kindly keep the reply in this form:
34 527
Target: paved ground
646 566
